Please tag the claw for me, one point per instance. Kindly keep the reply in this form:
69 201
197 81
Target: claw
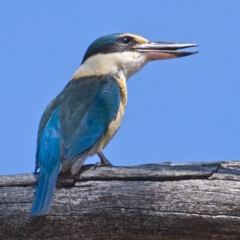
104 162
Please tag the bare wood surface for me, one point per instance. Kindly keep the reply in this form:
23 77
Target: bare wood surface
153 201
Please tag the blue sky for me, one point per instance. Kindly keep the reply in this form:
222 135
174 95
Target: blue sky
181 110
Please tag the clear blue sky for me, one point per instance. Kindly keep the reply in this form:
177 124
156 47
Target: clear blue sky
182 110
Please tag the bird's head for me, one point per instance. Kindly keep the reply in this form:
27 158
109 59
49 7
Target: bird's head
124 54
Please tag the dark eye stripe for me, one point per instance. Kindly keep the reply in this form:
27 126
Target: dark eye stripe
109 44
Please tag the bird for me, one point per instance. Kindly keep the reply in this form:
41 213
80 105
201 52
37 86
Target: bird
88 112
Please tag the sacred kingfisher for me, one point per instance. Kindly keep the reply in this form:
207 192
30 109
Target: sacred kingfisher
85 116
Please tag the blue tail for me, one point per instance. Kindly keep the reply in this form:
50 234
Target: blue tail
44 194
48 158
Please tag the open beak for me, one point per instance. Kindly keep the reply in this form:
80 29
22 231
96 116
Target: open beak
164 50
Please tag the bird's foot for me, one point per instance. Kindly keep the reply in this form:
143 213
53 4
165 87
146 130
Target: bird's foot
104 162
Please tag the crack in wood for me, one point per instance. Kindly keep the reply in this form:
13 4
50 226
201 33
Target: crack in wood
152 201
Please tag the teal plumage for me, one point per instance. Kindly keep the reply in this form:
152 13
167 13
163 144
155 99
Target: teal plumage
85 116
71 126
103 44
49 148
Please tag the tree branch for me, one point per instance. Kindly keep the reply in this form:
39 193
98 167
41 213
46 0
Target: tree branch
152 201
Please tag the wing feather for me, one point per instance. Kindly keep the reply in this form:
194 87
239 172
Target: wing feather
86 108
86 114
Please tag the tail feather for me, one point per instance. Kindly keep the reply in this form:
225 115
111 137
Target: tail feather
44 194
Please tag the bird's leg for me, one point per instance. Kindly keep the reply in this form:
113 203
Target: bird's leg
104 162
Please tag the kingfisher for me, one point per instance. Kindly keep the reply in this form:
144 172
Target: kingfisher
85 116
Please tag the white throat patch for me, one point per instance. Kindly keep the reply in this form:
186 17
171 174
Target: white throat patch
121 64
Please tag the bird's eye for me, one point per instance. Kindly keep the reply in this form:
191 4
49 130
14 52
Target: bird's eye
125 40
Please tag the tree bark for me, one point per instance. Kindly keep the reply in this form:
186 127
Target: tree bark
152 201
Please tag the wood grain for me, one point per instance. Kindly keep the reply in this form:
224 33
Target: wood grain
152 201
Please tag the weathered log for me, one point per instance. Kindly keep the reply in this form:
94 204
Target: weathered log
153 201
